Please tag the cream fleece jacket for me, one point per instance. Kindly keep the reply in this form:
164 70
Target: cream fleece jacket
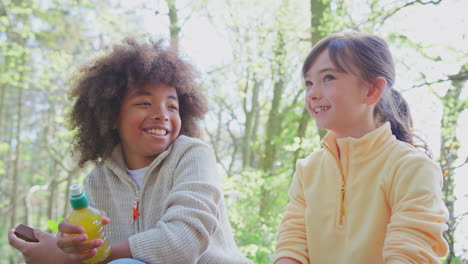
183 219
377 201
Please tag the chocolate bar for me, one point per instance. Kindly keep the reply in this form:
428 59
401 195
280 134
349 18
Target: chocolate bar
26 233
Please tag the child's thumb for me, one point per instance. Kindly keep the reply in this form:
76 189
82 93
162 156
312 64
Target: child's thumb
39 234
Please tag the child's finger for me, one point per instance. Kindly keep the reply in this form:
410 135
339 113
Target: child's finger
105 220
85 247
15 241
82 256
66 227
39 234
70 244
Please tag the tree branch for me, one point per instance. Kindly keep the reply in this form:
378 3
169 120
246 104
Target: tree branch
462 164
5 8
53 154
210 135
397 9
461 76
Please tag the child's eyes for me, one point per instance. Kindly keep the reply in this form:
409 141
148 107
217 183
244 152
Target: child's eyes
147 104
308 83
328 78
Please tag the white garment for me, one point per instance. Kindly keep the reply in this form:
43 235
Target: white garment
138 175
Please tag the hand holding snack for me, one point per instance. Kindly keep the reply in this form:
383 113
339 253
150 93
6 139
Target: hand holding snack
26 233
42 251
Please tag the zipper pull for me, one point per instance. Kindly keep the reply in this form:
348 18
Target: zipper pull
343 211
135 212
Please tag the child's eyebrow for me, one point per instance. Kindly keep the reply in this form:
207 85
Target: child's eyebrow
322 71
329 69
139 93
173 97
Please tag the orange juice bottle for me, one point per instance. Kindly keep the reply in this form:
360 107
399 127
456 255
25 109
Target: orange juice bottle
89 218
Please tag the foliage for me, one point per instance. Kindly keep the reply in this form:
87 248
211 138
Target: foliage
53 225
255 238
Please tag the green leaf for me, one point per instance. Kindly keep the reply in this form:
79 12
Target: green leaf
53 225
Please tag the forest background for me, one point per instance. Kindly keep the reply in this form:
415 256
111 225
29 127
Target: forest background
249 53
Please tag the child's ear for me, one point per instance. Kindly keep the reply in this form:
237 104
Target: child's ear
376 89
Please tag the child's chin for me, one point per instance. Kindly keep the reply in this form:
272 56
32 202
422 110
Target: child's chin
320 125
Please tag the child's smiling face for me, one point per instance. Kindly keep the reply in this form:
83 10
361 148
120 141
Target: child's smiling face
338 100
148 123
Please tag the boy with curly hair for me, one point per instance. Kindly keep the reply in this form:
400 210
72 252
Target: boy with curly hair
136 117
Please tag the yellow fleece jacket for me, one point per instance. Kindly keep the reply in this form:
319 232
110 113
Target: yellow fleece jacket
369 200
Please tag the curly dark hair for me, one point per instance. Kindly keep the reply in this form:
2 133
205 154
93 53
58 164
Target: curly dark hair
100 85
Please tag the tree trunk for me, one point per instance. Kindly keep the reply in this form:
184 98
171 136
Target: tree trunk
53 190
14 185
9 130
2 102
173 27
301 132
274 122
66 205
317 11
250 121
453 107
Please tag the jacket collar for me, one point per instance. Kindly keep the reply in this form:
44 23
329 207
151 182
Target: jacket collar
365 146
116 161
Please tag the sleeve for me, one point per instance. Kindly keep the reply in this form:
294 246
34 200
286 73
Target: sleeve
292 236
415 231
191 213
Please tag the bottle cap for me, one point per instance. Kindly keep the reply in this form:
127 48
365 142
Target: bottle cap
78 198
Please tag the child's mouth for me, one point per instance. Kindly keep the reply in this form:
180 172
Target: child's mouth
321 109
157 132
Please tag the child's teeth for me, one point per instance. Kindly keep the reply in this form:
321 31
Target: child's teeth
320 109
159 132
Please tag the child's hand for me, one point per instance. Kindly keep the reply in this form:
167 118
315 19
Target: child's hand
287 261
71 240
43 252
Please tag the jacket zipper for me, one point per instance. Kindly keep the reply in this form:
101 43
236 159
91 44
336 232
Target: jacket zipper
342 194
135 209
342 211
342 188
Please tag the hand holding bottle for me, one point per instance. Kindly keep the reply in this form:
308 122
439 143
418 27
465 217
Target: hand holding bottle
73 246
81 235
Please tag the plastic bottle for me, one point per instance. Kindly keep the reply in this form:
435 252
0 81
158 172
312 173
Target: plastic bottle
89 218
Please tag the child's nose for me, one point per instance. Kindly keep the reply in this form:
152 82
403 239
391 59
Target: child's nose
313 93
160 114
